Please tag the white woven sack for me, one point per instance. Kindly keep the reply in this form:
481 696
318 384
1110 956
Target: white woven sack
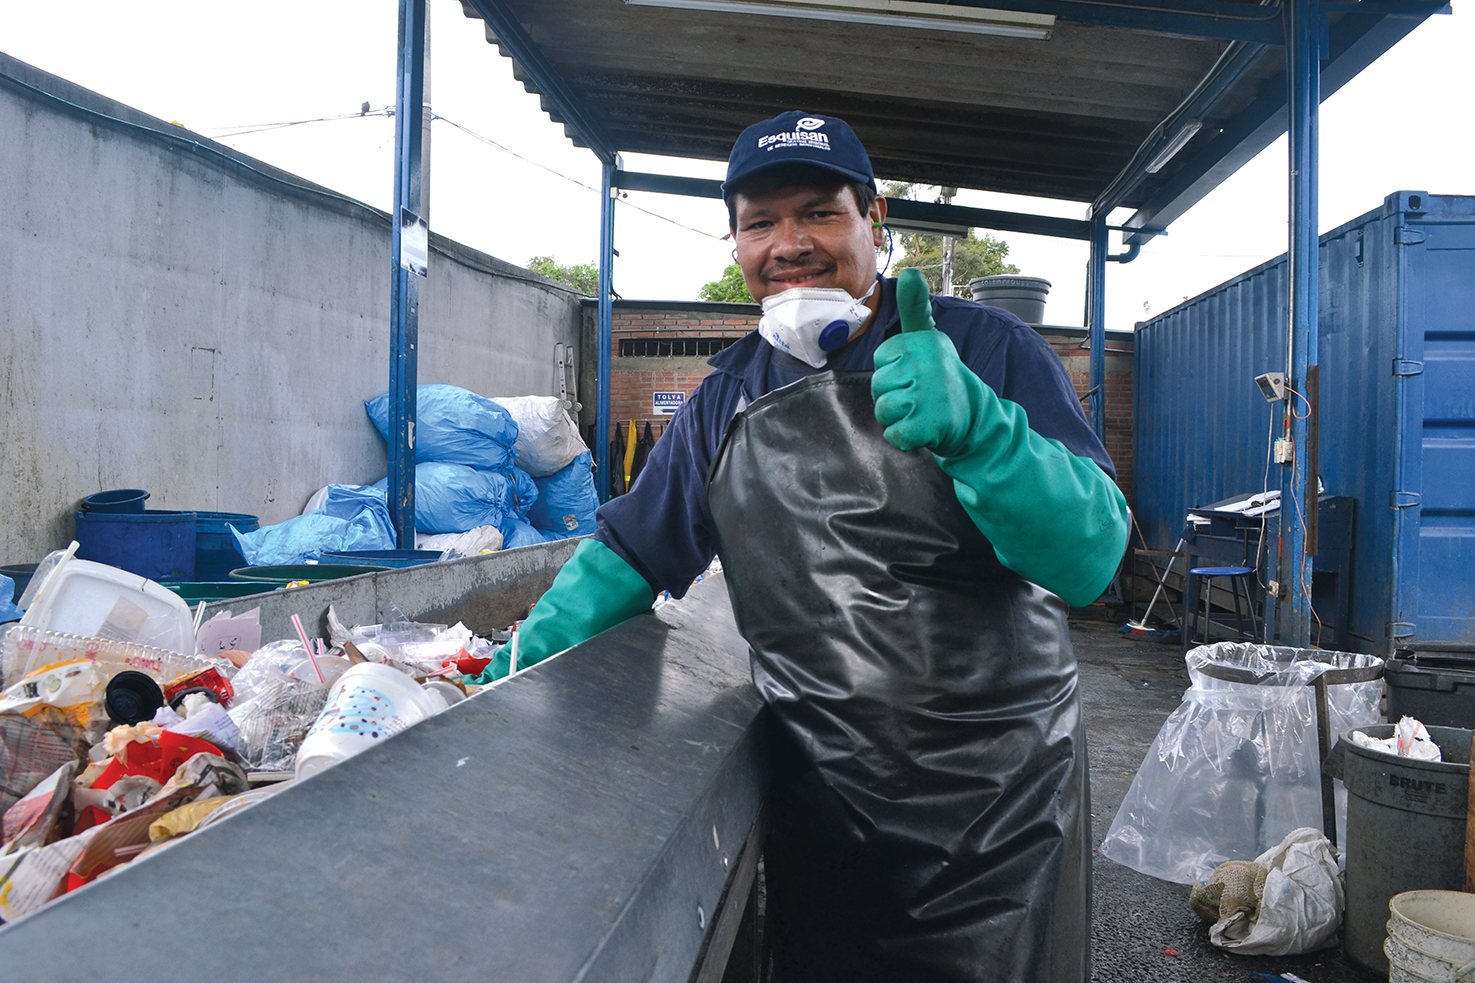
547 437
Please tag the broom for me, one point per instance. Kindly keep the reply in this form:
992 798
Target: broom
1142 628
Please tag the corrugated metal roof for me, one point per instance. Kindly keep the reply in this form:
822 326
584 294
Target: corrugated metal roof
1059 117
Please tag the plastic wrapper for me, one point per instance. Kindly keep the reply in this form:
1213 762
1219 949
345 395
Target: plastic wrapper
566 500
32 820
278 696
1286 902
482 539
415 648
547 437
454 426
1237 766
34 876
350 518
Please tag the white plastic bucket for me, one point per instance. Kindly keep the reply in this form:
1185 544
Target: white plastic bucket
1431 937
367 704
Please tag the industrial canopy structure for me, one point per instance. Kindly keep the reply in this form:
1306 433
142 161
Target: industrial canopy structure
1140 104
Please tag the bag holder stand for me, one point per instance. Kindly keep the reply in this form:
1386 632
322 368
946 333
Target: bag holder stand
1331 677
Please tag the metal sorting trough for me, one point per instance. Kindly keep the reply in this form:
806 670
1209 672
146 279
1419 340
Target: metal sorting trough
580 821
484 592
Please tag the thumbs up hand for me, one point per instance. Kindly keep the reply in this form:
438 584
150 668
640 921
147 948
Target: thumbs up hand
921 388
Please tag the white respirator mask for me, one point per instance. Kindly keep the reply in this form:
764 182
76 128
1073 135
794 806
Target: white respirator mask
810 322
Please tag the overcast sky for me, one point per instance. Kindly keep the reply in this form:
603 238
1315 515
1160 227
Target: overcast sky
1405 123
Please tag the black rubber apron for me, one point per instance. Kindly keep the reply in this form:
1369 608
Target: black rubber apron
929 804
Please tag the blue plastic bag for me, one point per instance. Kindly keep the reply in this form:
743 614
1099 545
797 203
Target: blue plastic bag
454 426
352 518
566 500
8 610
516 532
455 498
525 491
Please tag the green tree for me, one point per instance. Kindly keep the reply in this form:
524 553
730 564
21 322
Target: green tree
975 256
730 288
584 277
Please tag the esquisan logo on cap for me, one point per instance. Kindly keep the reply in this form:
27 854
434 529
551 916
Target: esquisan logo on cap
803 136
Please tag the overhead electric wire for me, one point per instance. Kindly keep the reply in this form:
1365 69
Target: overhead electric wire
572 180
222 133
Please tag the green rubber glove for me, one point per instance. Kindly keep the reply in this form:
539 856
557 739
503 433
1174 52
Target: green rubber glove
595 590
1053 518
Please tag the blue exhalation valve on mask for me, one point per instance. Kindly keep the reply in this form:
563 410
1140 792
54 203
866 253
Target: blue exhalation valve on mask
835 335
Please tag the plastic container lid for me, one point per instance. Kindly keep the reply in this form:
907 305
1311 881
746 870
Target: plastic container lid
81 597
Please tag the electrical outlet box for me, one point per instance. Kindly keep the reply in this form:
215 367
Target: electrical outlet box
1274 588
1284 451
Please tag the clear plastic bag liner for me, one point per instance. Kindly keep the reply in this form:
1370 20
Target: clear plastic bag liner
1237 766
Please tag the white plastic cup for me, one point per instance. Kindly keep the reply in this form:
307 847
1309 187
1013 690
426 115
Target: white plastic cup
368 703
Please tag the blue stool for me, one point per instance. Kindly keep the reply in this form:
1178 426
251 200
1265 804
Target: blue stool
1237 583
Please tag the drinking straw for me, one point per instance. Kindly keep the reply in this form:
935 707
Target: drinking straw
199 616
512 659
297 623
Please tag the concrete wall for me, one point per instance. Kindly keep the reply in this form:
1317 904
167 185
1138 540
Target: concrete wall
178 317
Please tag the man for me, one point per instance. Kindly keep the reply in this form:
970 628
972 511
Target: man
896 484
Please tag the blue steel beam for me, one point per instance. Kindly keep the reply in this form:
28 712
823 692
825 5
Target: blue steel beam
1096 323
1214 19
1228 71
900 208
1355 42
404 286
512 36
1303 85
605 332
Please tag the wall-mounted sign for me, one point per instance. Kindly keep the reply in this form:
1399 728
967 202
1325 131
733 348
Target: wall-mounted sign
666 404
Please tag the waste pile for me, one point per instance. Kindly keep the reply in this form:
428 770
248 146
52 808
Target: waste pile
489 474
123 728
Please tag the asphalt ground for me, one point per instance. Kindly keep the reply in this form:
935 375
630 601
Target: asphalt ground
1129 686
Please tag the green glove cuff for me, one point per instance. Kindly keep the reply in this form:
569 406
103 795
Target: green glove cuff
594 591
1053 518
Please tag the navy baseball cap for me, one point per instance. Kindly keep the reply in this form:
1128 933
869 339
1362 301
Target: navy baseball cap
799 138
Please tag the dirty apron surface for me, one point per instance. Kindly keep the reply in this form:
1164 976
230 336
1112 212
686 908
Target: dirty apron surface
929 803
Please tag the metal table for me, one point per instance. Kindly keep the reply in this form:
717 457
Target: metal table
1233 538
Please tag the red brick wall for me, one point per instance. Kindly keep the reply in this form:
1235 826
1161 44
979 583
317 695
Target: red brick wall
635 379
1118 395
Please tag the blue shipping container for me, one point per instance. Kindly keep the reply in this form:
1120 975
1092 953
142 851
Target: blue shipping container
1397 411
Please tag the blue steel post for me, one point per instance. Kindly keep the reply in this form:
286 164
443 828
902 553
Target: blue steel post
1303 80
605 332
404 290
1096 322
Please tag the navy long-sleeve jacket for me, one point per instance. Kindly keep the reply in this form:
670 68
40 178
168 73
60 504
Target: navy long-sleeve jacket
662 526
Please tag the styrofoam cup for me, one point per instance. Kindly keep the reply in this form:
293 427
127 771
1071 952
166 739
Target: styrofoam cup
368 703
